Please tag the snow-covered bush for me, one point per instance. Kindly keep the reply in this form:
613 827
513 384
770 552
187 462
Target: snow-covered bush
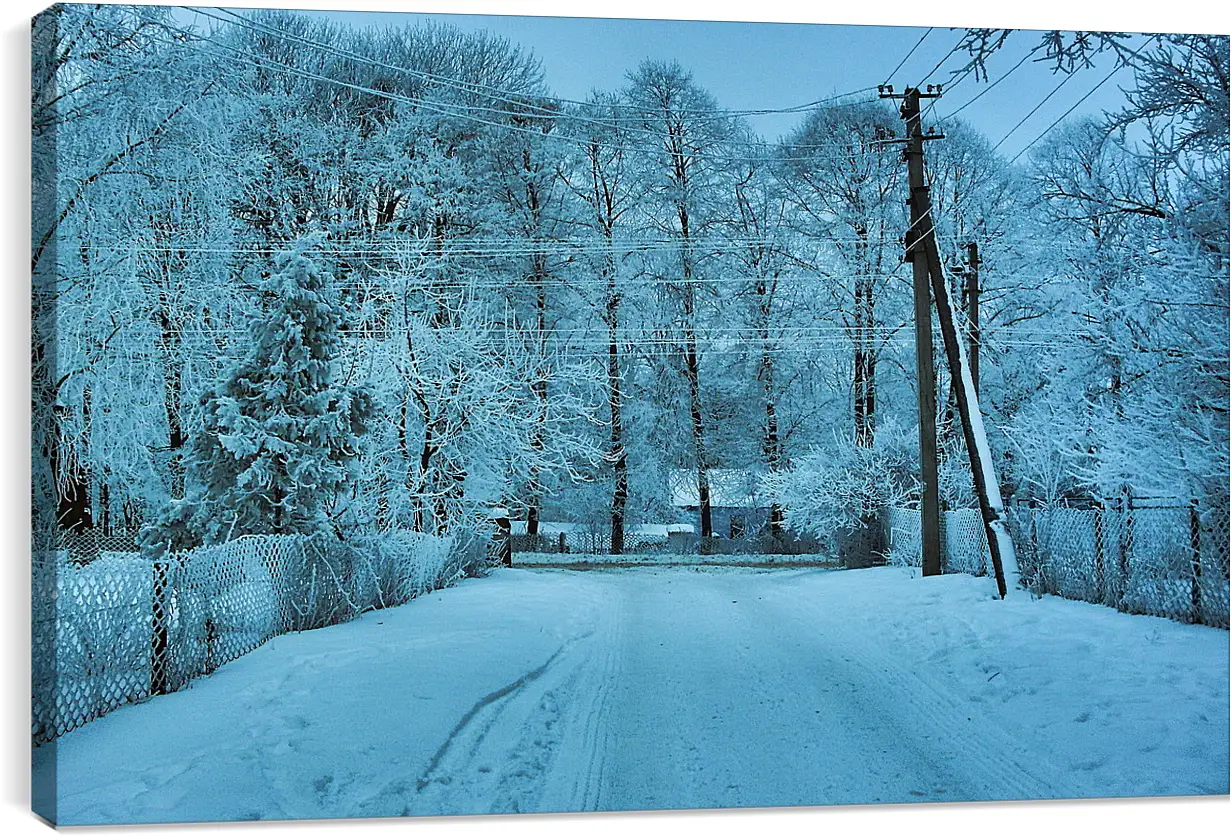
401 564
840 488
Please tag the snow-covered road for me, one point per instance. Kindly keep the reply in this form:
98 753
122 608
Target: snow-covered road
550 690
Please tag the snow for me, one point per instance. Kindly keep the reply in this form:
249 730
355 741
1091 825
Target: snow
663 530
556 527
549 690
548 527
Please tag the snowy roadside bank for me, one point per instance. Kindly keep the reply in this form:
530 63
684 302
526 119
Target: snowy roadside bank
1128 705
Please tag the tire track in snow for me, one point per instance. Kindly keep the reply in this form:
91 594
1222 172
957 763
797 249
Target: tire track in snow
485 703
578 772
535 738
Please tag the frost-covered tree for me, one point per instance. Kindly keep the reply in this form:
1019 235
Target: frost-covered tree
683 174
837 489
848 195
276 438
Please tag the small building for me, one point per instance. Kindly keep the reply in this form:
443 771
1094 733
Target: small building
738 508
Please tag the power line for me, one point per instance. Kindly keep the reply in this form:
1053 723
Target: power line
839 336
1077 104
992 86
948 85
906 58
499 92
940 63
520 98
263 63
516 245
1035 109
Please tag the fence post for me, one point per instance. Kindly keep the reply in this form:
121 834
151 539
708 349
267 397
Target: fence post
504 537
501 545
160 640
1126 548
1194 536
1100 573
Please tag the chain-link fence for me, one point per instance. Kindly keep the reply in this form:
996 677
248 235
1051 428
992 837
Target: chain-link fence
122 626
591 541
598 542
963 544
1139 555
89 545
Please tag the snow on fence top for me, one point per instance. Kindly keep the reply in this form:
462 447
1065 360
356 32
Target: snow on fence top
124 627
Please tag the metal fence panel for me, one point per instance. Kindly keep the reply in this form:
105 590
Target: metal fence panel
963 544
1138 555
598 542
111 628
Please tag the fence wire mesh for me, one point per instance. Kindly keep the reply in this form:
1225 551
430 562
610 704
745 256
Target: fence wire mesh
963 544
1139 555
590 541
89 545
121 626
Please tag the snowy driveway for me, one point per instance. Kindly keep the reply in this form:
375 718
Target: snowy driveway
549 690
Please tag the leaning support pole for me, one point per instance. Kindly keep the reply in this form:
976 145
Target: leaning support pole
983 471
925 370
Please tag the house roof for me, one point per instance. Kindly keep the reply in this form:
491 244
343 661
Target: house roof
518 527
734 488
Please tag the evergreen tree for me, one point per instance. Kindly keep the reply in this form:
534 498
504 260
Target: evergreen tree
276 437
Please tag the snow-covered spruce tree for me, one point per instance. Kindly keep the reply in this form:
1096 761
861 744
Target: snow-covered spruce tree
276 437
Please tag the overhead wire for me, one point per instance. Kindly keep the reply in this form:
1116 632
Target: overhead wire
991 86
264 63
906 58
498 92
802 337
1117 68
521 99
1034 110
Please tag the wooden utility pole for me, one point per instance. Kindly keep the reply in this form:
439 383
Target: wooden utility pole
972 308
925 258
920 221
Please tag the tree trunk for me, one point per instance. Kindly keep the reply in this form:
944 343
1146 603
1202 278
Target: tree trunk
772 444
72 481
692 370
172 390
539 389
773 457
864 363
615 401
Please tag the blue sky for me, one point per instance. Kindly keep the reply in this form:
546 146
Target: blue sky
758 65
